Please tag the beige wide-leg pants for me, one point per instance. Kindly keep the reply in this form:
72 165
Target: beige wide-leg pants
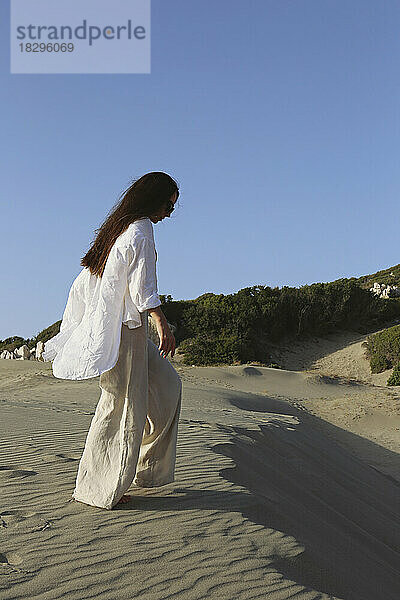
133 433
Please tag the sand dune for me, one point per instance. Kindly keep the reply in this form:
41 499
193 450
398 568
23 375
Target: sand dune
287 486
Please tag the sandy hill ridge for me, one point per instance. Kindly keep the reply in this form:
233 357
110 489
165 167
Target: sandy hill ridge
340 354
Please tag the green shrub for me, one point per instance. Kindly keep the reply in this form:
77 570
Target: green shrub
49 332
379 364
12 343
394 379
241 326
216 348
383 349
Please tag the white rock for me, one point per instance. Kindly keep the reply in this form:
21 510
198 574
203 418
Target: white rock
22 353
39 351
385 290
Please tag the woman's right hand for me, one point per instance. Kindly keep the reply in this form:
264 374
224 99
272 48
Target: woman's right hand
166 337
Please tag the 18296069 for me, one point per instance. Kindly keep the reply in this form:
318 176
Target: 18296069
46 47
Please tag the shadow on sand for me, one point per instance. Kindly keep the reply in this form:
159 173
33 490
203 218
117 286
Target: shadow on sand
344 511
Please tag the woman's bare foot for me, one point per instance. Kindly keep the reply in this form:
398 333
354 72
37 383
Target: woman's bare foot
125 498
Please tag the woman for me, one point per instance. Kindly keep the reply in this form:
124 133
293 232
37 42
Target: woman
104 331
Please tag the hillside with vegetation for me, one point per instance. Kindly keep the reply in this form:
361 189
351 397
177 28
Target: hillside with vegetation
240 327
389 276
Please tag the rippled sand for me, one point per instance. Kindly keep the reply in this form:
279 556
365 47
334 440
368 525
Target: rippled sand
287 486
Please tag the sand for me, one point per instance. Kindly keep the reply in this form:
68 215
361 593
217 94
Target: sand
287 486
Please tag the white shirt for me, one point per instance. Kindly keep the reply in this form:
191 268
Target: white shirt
90 332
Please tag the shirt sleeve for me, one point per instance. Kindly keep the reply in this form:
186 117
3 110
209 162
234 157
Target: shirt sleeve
74 310
72 317
142 278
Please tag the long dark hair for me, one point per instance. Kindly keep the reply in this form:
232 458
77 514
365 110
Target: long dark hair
145 197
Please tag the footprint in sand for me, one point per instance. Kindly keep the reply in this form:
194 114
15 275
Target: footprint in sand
69 457
202 424
11 558
251 371
11 472
22 521
47 457
51 458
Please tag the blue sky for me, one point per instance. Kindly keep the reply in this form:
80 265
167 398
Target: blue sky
279 119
